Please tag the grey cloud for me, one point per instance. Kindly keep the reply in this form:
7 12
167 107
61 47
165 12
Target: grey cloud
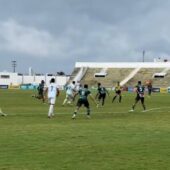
87 30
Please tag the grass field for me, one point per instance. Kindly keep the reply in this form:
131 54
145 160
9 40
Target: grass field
113 139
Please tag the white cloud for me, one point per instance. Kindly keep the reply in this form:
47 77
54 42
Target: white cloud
104 41
15 37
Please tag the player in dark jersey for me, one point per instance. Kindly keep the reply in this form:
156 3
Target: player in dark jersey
118 91
140 90
40 91
149 86
101 94
83 100
78 87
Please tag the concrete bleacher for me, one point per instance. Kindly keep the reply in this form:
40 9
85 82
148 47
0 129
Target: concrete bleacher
113 75
74 73
126 73
162 82
143 75
89 76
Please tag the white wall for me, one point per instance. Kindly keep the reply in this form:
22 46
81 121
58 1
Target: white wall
7 81
39 78
20 80
28 79
48 78
16 79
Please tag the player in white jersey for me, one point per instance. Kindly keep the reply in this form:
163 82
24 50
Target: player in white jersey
70 92
78 86
52 91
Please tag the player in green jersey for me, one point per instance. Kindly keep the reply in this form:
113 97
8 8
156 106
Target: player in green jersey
83 100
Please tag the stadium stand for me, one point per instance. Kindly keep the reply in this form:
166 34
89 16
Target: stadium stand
161 74
113 75
89 76
80 74
128 74
143 75
74 73
162 81
102 73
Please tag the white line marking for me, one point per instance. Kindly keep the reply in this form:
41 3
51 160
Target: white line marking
108 112
151 109
148 110
159 108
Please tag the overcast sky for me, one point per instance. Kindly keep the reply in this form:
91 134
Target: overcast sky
51 35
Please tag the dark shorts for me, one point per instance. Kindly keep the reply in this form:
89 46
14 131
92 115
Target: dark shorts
142 99
102 96
118 92
81 102
149 90
41 94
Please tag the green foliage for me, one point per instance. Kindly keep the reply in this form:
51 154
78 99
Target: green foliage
113 139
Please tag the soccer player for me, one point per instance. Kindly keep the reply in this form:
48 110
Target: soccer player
140 90
78 87
149 86
83 100
101 94
1 113
118 91
52 91
41 91
70 92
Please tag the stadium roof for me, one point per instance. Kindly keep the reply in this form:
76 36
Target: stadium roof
123 64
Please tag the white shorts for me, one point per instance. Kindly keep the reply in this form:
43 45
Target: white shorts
69 96
51 100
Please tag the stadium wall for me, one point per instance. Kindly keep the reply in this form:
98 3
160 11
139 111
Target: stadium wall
13 79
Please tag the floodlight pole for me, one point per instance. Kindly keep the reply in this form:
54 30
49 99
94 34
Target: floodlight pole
143 56
14 64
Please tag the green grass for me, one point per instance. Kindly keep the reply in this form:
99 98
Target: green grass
112 139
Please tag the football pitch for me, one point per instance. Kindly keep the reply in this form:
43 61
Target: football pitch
113 139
